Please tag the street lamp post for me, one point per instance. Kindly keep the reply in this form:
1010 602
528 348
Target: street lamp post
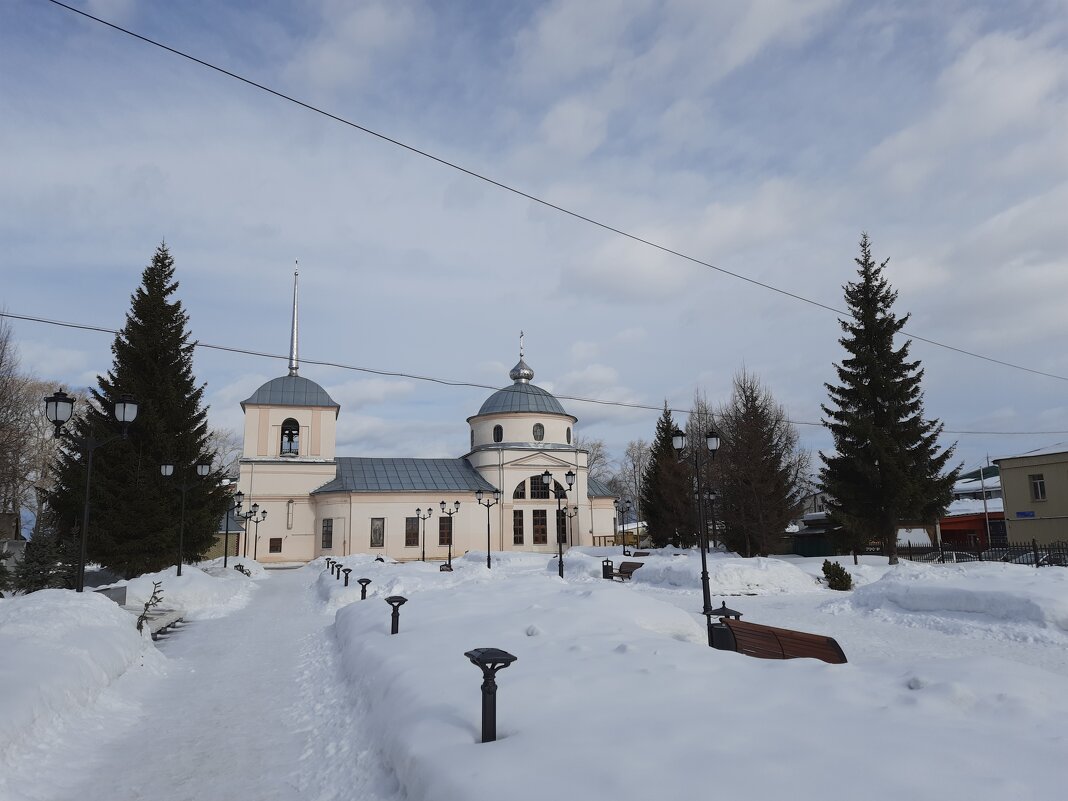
239 498
712 443
167 469
450 513
622 507
570 516
711 496
487 503
253 515
547 480
59 408
423 518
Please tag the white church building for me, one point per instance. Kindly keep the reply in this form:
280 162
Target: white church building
318 503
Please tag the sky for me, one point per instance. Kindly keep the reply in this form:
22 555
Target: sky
761 138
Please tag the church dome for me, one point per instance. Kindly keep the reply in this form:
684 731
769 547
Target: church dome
522 396
291 390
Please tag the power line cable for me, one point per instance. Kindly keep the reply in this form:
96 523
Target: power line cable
528 196
453 382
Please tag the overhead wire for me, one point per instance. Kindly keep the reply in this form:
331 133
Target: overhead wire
529 196
455 382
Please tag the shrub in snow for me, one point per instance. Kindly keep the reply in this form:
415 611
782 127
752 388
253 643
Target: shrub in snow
837 577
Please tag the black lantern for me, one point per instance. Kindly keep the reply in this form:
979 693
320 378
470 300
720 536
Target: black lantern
490 660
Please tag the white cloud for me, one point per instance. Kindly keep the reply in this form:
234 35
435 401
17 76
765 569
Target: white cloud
353 39
1004 95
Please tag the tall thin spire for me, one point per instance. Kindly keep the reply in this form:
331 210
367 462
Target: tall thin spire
293 335
520 344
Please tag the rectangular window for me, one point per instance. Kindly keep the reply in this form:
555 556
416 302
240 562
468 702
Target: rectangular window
411 532
1038 486
517 527
275 545
561 526
444 530
378 532
538 488
541 527
328 534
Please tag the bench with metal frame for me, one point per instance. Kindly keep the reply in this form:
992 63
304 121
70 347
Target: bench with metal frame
625 570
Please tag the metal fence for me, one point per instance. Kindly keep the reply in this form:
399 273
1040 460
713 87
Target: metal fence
1023 553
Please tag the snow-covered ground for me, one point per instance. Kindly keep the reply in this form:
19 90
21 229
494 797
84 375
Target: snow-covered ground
287 686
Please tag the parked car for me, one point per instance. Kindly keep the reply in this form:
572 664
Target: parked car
1057 558
947 556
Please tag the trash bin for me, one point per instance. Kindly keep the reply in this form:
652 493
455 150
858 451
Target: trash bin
722 638
606 569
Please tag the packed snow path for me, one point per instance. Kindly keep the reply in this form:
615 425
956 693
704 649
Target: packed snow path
247 706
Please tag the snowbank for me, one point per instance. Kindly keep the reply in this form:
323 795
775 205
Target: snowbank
989 592
604 670
668 567
199 594
58 650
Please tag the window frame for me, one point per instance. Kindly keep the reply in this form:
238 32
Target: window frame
445 531
327 541
409 522
539 432
498 433
274 545
1036 483
517 527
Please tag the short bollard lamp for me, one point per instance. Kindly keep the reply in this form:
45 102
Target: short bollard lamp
723 611
363 587
346 571
337 575
490 660
396 601
330 564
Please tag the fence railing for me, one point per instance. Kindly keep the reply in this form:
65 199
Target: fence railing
1026 553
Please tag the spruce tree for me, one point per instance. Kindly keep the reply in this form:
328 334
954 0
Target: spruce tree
47 563
764 474
134 516
667 490
887 468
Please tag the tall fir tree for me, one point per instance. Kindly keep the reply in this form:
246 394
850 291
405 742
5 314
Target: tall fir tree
135 511
887 468
667 490
763 472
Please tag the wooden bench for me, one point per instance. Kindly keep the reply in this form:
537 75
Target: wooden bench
768 642
640 553
625 570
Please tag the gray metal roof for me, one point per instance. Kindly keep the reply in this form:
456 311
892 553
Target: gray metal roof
360 474
521 397
291 390
597 489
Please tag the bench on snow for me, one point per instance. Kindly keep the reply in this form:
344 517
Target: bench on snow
622 573
768 642
157 619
